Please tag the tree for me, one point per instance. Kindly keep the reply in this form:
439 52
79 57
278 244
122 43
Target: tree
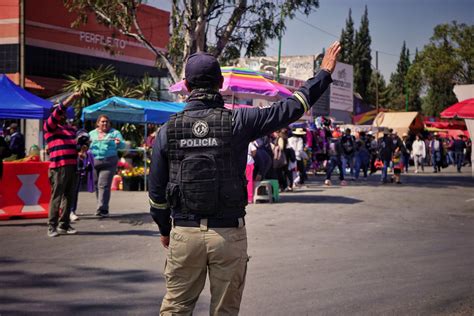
382 90
347 41
362 57
398 87
222 27
414 84
447 60
100 83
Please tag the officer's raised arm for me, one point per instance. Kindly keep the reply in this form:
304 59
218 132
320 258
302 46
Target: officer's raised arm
254 123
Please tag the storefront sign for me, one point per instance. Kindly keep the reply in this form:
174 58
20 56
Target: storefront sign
102 40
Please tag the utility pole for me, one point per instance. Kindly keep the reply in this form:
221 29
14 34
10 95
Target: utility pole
22 43
279 46
406 86
406 95
377 81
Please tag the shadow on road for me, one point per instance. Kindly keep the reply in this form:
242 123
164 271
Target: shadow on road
428 179
101 290
144 233
10 224
333 199
143 217
437 181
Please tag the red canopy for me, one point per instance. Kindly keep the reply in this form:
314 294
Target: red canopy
463 109
454 133
445 124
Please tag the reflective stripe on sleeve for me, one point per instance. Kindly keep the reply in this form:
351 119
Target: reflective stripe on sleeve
300 96
160 206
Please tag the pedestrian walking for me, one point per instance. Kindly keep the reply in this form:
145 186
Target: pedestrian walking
105 142
397 161
296 143
436 148
419 153
335 159
62 148
385 153
372 146
362 156
198 189
284 175
468 153
458 149
84 171
406 154
348 151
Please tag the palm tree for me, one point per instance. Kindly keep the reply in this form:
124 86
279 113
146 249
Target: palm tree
93 86
145 89
101 83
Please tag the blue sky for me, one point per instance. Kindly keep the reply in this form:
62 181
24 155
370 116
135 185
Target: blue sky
390 23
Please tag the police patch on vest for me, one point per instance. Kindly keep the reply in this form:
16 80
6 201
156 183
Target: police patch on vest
200 128
198 142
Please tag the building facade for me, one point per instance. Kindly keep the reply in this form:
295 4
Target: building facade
53 49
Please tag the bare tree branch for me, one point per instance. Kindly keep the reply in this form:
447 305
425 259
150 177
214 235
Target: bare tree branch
232 23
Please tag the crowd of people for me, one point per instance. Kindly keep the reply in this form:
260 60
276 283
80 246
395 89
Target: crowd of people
288 155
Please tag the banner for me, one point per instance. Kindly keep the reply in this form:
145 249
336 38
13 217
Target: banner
341 94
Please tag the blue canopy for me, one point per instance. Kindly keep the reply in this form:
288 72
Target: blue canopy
17 103
132 110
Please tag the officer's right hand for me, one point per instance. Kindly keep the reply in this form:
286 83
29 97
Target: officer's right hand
165 241
329 59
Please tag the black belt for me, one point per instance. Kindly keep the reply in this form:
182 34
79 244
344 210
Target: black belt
211 222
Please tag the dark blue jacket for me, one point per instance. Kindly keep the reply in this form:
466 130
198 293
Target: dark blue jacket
248 125
17 145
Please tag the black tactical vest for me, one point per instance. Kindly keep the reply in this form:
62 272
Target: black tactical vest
203 179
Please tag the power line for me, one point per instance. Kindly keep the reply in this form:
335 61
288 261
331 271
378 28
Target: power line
316 27
333 35
385 53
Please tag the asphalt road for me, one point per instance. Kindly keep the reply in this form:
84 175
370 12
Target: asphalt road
363 249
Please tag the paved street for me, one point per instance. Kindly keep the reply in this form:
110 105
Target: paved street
364 249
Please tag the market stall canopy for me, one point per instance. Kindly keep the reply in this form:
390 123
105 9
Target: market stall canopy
17 103
132 110
401 122
244 83
463 109
446 124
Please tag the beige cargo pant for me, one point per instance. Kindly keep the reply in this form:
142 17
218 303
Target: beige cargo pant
192 252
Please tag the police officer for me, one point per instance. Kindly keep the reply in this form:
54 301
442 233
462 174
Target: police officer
197 185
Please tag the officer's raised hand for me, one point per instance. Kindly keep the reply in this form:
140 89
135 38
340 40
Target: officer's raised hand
329 61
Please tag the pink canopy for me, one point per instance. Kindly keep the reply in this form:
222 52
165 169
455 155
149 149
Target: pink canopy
244 83
463 109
